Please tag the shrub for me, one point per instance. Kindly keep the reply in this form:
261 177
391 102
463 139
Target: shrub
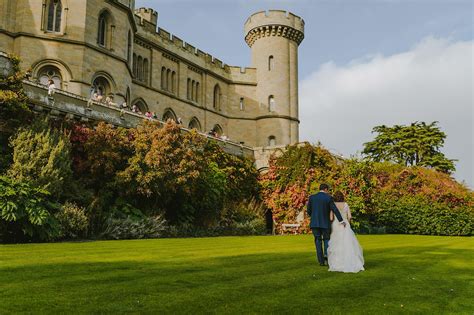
25 212
417 215
41 156
72 220
129 228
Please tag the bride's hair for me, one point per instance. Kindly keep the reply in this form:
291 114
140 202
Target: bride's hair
338 196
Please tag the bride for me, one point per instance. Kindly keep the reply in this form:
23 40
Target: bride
344 251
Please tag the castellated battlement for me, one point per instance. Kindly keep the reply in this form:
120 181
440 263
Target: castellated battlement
147 14
274 23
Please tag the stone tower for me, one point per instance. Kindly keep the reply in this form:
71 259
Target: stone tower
273 37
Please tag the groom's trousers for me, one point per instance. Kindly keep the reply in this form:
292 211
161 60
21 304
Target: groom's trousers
321 235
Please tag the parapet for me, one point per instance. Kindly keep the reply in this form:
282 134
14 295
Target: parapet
148 15
274 23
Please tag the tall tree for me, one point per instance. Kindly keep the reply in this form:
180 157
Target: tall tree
416 144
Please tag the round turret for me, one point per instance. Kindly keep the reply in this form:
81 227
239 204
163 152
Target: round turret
274 37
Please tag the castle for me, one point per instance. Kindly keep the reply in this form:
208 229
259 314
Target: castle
110 48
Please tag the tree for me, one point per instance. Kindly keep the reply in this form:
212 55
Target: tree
416 144
41 155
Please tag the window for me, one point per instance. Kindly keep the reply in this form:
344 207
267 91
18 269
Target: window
102 31
271 141
197 92
141 106
241 103
173 82
218 130
217 97
163 78
168 79
129 47
145 70
101 86
134 65
195 124
270 63
188 89
271 103
50 73
54 16
169 114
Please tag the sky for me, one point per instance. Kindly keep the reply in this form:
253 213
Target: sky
362 63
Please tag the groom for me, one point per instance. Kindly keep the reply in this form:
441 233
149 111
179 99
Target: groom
319 207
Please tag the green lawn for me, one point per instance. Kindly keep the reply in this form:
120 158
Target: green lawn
269 274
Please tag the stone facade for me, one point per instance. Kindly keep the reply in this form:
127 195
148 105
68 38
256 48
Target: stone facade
110 47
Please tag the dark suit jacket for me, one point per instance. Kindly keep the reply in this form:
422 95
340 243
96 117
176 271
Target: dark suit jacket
319 206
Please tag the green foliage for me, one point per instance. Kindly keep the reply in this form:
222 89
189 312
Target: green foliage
416 144
14 110
26 212
417 215
41 155
130 228
72 220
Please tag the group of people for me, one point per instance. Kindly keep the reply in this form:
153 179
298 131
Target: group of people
336 243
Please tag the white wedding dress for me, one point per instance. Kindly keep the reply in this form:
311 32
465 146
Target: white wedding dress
344 251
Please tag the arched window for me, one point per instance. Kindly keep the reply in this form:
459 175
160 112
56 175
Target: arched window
188 89
241 103
218 130
173 82
271 141
194 124
197 92
54 16
271 103
145 70
270 63
142 106
101 86
102 30
127 97
50 73
129 47
217 97
168 79
134 65
169 114
140 68
163 78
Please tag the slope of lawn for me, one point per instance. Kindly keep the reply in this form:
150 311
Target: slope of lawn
269 274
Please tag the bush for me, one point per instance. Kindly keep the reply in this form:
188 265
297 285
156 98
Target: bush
129 228
25 212
72 220
41 155
416 215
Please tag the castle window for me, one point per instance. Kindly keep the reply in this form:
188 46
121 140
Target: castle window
271 103
50 73
169 114
193 90
270 63
134 65
217 97
101 86
129 47
168 80
271 141
54 16
194 124
141 106
218 130
163 78
145 70
241 103
102 31
188 89
173 82
140 68
197 92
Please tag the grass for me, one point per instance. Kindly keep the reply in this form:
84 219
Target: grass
268 274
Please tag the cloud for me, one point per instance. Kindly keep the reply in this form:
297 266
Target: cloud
339 105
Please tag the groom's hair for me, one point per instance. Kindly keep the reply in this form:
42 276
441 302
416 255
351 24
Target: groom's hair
324 187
